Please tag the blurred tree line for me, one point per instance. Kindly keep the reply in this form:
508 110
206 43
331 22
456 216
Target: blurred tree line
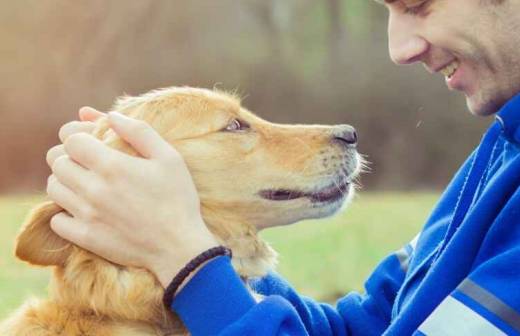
294 61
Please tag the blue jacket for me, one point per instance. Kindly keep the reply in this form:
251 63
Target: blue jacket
460 276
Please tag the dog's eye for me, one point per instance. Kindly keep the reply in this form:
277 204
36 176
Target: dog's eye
237 125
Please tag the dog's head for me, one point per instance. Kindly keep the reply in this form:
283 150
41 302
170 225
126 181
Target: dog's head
249 173
246 168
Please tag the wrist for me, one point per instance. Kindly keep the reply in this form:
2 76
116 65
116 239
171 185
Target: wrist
169 263
176 285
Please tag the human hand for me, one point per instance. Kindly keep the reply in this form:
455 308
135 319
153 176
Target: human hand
142 212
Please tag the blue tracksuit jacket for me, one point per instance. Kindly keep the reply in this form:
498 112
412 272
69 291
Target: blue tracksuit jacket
460 276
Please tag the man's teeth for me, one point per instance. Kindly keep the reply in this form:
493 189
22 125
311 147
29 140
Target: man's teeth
450 69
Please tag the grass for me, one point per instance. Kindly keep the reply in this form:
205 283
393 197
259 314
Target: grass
17 280
323 259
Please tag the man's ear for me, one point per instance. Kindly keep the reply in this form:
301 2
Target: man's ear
37 243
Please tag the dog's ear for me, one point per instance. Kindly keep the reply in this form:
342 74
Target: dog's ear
37 243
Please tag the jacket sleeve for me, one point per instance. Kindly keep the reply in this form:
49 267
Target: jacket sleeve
487 301
217 302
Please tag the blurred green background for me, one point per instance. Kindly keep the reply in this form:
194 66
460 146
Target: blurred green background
293 61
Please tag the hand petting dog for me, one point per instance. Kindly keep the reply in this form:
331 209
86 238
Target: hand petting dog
98 185
125 215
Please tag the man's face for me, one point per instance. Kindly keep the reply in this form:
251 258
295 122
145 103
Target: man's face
475 44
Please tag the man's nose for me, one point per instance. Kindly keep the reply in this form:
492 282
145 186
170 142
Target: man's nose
345 135
404 44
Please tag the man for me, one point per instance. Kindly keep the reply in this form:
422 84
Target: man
461 276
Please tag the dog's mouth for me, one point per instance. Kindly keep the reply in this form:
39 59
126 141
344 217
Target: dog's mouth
331 193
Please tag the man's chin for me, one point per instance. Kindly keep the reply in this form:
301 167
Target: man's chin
482 107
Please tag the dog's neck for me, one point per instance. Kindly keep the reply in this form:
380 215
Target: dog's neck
252 257
90 284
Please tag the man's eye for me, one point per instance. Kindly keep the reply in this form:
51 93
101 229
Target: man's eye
237 125
414 7
412 10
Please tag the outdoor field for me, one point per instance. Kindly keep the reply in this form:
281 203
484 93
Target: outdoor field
322 259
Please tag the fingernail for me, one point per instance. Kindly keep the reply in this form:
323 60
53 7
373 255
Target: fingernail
84 108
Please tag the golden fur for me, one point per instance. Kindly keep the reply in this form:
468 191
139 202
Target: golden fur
90 296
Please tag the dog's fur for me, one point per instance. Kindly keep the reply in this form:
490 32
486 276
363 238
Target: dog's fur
92 296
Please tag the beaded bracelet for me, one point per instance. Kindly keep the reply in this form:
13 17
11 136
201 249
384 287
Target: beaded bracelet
172 288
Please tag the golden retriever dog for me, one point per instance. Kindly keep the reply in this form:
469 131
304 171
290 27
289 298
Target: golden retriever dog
250 174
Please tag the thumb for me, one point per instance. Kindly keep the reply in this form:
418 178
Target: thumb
140 135
87 113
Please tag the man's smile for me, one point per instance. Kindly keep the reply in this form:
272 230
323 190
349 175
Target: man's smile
449 70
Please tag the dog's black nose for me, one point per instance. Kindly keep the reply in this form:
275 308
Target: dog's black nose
345 135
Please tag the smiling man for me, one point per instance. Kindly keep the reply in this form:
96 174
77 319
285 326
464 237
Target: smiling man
474 44
460 276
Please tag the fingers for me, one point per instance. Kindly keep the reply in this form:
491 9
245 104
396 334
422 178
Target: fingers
69 228
65 131
88 113
63 196
76 178
54 153
91 153
140 135
75 127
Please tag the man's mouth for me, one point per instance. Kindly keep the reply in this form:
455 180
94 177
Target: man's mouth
328 194
449 70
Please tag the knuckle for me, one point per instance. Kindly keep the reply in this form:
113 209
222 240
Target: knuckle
75 139
50 185
50 156
53 153
59 163
89 214
62 133
93 191
68 129
107 167
53 190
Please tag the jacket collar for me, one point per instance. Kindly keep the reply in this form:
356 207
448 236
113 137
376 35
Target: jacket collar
509 118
